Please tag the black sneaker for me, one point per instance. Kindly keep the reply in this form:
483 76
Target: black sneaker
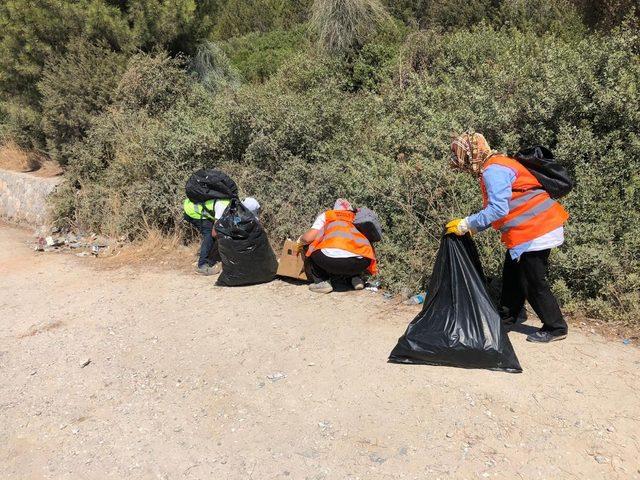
545 337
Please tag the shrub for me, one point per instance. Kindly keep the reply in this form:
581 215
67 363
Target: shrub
212 68
303 138
343 26
74 87
258 56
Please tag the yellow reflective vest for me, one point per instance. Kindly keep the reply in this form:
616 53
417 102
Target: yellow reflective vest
199 211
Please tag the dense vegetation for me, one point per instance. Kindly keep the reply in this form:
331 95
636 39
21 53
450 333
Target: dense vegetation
305 101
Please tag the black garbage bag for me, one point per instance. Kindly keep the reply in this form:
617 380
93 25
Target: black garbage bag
553 177
210 184
247 256
458 326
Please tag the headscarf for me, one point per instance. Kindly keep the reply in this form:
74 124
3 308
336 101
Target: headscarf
469 151
342 204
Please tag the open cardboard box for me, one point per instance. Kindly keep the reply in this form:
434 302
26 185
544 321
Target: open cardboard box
290 264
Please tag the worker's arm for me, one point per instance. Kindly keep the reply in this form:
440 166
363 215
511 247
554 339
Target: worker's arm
497 180
306 238
309 236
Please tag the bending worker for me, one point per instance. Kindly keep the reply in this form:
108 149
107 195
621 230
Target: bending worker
531 224
337 249
202 216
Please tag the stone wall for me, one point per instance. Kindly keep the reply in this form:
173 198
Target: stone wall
23 197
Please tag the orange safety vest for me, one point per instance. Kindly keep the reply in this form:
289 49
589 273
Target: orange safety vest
532 212
339 232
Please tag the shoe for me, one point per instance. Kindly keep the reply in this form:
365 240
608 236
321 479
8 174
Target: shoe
209 269
545 337
321 287
358 283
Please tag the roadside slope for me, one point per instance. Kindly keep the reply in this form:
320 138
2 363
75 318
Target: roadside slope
178 386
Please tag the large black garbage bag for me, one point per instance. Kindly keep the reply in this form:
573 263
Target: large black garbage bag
458 326
247 256
210 184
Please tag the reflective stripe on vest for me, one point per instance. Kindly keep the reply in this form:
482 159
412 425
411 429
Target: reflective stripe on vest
349 235
528 214
199 211
532 212
515 203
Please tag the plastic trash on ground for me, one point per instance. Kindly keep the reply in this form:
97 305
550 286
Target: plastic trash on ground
459 325
247 256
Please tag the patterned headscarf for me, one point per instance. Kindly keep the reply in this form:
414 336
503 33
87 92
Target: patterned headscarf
342 204
469 151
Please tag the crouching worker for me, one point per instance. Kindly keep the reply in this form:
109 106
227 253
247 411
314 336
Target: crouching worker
202 216
336 249
531 223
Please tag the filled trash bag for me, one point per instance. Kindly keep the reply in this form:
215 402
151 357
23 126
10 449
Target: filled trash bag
210 184
247 256
458 326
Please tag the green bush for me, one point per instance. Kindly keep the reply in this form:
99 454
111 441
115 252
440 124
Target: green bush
304 137
240 17
74 87
257 56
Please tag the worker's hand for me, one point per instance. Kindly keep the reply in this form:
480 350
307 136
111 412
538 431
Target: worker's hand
299 246
459 226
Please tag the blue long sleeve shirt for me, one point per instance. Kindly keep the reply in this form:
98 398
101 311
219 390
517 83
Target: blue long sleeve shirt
497 180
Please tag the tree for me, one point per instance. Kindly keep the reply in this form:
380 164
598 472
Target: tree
31 32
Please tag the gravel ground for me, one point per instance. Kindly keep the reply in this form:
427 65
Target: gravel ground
157 374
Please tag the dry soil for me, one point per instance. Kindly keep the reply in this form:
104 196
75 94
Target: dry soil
190 381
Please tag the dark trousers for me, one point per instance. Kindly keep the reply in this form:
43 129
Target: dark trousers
209 254
321 268
526 279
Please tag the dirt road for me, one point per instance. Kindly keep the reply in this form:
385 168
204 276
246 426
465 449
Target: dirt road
190 381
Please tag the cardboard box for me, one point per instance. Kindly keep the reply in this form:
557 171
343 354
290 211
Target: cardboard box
290 264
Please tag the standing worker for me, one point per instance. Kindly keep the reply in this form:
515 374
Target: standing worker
202 216
337 249
531 224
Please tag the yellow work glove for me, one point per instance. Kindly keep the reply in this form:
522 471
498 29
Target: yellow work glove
459 226
299 246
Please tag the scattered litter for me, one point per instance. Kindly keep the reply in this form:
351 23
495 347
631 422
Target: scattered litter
374 457
53 242
274 377
610 429
311 364
85 363
92 244
626 341
33 372
600 459
373 284
387 295
40 244
324 424
417 299
449 435
372 289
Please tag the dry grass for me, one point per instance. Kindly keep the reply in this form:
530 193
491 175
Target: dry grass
16 159
154 250
12 157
